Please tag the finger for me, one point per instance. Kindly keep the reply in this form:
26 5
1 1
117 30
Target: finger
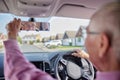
75 54
16 24
9 27
12 26
15 21
19 19
78 50
83 52
19 23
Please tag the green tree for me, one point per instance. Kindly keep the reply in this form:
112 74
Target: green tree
19 39
31 42
38 41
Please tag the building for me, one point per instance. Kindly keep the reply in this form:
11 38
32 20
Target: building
69 38
31 38
79 37
45 39
53 37
59 36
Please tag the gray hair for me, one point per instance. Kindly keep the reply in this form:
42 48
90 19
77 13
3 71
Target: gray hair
109 19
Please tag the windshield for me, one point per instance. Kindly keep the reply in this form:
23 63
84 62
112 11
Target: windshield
64 34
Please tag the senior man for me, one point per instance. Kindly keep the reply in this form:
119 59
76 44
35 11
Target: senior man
102 43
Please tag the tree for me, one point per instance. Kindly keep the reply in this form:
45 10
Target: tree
31 42
38 41
19 39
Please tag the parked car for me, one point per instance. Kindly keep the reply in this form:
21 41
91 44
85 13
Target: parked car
53 43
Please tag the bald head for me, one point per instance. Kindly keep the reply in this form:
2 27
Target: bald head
107 20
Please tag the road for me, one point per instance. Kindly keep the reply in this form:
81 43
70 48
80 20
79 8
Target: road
30 48
27 48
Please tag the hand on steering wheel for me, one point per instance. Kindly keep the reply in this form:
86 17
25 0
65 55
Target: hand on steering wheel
80 53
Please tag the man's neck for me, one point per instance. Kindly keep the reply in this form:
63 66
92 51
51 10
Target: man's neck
110 63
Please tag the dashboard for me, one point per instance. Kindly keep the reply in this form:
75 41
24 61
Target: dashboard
42 60
56 64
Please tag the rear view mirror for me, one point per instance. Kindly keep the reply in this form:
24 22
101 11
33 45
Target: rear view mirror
34 26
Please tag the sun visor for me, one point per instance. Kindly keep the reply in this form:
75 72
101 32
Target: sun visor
75 11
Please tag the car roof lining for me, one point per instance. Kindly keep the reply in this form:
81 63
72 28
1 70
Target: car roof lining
61 8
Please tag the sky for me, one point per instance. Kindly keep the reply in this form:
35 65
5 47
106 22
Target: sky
57 24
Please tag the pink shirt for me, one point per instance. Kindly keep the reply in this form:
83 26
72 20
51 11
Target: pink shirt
17 67
108 75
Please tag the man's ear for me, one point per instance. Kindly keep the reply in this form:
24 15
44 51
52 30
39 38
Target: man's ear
103 45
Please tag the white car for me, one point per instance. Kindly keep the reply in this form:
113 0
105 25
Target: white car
53 42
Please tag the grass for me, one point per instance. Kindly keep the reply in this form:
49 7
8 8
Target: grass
1 46
67 47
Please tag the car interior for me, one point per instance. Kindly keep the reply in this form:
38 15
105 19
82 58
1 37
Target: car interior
60 64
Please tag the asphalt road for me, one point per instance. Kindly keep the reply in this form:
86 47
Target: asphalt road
30 48
27 48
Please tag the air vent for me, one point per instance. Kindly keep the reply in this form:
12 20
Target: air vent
47 68
38 64
2 78
44 66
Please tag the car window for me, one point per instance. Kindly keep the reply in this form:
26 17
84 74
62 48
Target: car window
65 34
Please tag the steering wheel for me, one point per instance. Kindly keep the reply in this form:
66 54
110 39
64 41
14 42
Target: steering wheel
69 67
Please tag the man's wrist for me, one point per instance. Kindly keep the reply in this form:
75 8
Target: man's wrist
12 36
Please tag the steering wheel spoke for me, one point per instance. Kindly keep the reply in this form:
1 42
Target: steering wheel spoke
86 76
63 61
66 78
